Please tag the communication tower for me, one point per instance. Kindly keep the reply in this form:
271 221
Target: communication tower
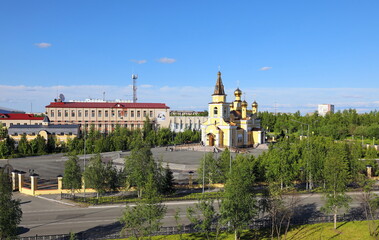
134 78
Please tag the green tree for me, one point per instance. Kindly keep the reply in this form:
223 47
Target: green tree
139 164
3 131
369 203
145 218
238 206
72 174
24 146
336 177
38 145
212 170
168 181
205 217
10 210
94 175
4 150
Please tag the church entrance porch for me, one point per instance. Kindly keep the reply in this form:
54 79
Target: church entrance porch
211 139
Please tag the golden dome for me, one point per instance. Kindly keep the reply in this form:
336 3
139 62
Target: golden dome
244 103
237 92
255 104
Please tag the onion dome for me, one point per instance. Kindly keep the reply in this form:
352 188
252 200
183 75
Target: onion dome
237 92
244 103
255 104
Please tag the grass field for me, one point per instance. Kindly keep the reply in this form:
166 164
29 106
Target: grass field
357 230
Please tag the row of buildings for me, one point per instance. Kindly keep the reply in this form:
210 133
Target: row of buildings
227 123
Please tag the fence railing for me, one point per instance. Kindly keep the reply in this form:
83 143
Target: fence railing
172 230
128 199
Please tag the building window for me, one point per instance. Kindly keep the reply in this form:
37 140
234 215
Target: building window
144 113
151 114
62 133
138 114
79 113
59 113
72 113
70 133
15 134
18 123
86 113
93 113
119 113
112 113
52 113
125 113
132 125
215 111
66 113
25 124
4 124
132 113
99 113
106 113
99 125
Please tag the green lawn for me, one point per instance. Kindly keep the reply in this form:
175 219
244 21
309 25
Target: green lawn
357 230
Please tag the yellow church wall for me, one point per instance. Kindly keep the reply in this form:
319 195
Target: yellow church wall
226 138
256 136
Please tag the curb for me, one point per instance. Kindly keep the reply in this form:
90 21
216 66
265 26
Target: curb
57 201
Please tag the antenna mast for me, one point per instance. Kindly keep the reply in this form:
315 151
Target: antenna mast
134 77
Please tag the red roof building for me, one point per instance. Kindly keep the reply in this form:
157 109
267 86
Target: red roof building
10 119
104 116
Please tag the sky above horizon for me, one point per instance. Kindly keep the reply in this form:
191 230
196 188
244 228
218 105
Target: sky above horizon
286 55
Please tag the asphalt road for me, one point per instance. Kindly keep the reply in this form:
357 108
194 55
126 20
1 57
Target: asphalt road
46 217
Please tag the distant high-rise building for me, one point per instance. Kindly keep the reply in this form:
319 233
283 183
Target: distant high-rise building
323 109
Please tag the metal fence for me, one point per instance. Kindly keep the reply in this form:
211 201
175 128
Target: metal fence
256 225
127 198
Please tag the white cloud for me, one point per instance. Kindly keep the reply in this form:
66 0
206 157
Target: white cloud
265 68
193 98
166 60
146 86
139 61
43 45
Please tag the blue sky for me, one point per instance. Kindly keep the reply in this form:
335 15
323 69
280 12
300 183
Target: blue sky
288 55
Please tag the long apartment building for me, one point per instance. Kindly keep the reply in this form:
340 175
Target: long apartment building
105 115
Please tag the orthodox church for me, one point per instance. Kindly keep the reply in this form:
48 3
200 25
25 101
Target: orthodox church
230 124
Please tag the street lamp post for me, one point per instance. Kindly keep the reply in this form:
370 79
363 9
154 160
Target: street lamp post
204 169
84 161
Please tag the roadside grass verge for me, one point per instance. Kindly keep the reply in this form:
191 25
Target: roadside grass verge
355 230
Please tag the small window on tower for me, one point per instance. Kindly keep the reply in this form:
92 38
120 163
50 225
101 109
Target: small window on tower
215 111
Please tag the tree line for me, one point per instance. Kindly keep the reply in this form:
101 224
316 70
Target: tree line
338 125
93 141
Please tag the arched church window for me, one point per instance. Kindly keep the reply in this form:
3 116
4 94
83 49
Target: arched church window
215 111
